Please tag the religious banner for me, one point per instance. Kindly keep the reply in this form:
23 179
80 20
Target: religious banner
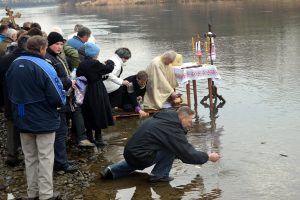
193 71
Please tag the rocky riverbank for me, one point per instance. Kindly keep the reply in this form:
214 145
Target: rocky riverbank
71 186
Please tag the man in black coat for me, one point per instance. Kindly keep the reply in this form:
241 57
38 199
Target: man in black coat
159 140
13 136
55 46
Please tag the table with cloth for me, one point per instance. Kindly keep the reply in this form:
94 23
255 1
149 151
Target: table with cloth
192 72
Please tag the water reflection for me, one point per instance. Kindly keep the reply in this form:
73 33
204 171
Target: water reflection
213 111
137 187
188 184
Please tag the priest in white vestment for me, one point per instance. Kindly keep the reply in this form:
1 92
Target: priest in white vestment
161 83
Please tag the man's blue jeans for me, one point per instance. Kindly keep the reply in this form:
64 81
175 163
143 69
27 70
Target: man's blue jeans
163 164
60 149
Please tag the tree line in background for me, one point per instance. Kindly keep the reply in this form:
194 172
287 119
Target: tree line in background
27 3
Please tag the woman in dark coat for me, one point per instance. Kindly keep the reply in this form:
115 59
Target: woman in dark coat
96 107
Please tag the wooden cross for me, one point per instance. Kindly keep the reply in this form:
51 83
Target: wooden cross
11 17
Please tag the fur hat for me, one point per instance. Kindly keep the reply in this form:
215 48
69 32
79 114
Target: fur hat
91 50
54 37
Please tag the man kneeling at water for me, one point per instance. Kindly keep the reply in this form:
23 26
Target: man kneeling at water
159 140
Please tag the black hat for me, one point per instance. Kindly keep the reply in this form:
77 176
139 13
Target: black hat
54 37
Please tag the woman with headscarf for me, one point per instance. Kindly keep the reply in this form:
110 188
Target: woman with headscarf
96 108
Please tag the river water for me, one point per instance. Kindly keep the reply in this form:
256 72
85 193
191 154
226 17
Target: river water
256 131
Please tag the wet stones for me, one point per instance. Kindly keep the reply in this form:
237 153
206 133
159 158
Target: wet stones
71 186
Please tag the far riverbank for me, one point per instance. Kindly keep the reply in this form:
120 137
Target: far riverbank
126 2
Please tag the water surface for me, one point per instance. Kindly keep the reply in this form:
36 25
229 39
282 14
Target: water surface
258 50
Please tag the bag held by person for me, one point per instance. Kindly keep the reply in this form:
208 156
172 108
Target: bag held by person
80 89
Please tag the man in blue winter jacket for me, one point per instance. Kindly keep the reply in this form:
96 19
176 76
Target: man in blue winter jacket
35 93
159 140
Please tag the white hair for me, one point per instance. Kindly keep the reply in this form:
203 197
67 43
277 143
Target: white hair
170 55
57 29
11 32
185 111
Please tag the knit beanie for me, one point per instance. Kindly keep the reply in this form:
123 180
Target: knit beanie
54 37
91 50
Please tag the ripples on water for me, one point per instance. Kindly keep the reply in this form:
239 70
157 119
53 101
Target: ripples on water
258 58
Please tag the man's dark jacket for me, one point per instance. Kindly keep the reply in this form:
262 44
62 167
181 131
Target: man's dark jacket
35 92
62 70
131 98
60 67
161 132
5 63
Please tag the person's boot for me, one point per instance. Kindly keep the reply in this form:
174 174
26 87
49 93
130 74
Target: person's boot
71 168
155 179
106 173
89 135
99 142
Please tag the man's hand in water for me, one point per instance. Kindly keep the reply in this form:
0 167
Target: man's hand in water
213 157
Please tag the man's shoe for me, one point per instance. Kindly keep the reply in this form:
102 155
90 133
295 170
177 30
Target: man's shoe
56 196
106 174
155 179
85 143
72 162
70 169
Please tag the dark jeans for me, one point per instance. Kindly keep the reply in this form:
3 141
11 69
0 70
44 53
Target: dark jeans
163 165
13 141
60 151
115 98
78 124
128 108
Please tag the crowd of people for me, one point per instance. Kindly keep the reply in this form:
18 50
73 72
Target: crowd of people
50 85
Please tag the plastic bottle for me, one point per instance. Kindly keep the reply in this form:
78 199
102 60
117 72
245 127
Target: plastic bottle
130 88
73 74
141 103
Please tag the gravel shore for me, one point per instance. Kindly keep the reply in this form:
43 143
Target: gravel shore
71 186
